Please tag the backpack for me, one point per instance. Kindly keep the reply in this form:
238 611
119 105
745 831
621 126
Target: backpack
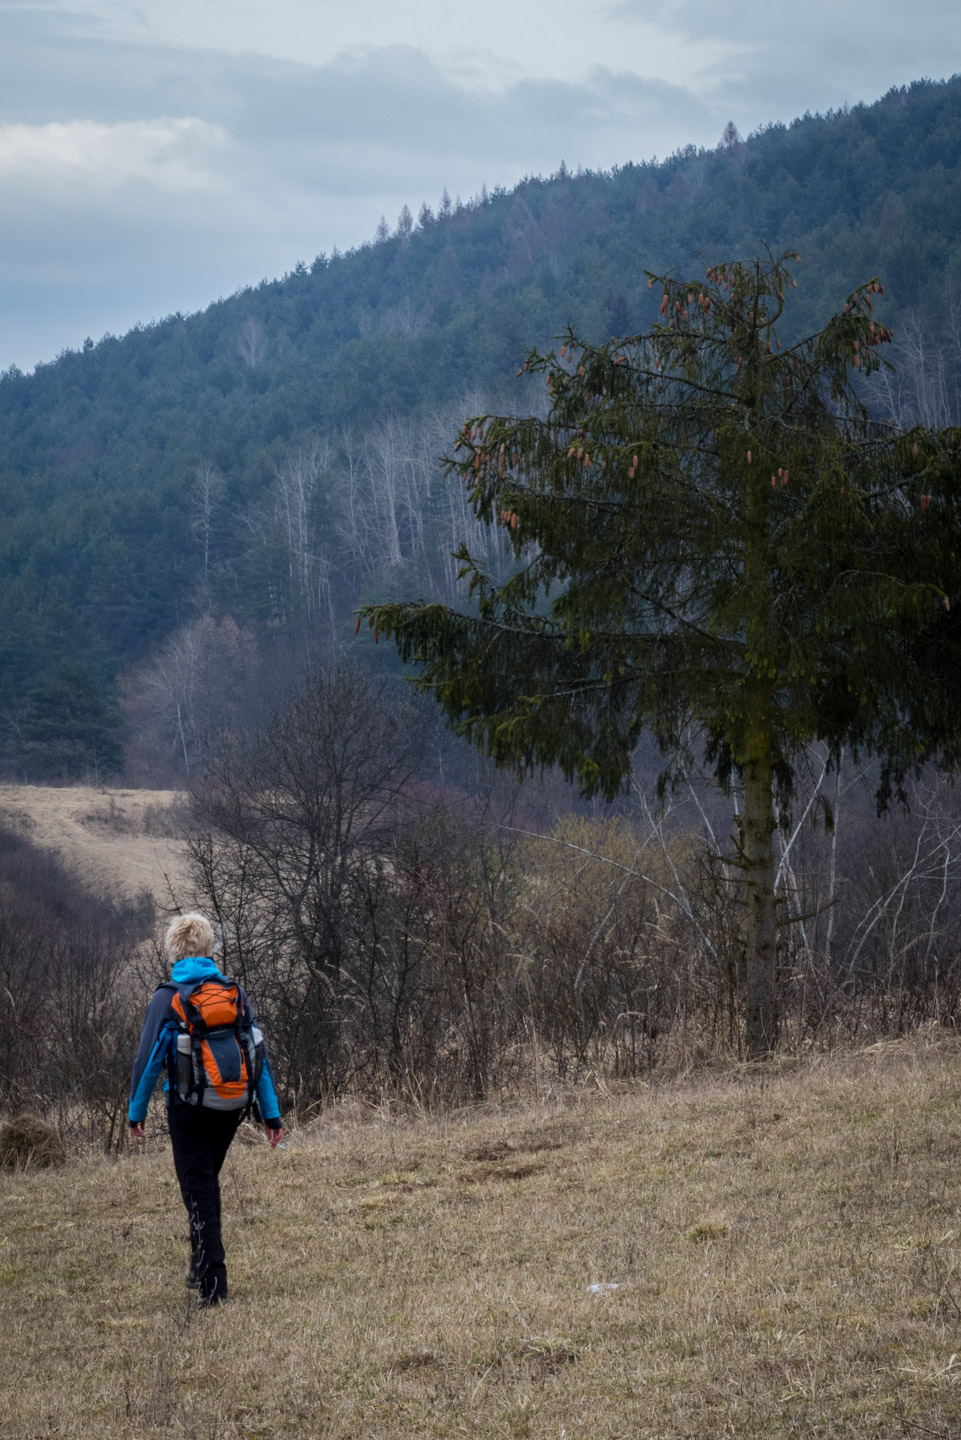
216 1053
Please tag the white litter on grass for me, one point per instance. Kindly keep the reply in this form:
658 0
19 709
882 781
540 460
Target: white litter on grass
606 1285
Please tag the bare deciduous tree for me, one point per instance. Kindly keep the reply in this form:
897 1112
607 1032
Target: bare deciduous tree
207 491
252 344
288 840
203 677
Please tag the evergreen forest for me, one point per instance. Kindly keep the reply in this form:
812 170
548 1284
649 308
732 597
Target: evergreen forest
196 508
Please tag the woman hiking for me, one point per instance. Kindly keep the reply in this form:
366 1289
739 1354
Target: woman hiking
200 1028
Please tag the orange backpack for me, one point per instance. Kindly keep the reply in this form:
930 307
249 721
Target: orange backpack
218 1056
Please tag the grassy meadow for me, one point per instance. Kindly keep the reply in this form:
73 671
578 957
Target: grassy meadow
778 1252
119 842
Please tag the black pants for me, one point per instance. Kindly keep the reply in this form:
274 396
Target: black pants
201 1139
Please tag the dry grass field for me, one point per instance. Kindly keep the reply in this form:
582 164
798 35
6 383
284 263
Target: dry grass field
119 841
778 1254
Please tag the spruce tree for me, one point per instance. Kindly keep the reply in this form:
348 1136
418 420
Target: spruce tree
67 729
715 536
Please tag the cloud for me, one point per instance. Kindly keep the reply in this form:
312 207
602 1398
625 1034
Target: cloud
779 61
82 158
391 118
246 165
862 28
385 122
143 177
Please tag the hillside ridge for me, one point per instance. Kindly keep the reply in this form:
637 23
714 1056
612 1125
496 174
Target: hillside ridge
273 460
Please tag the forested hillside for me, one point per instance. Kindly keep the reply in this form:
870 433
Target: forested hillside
207 490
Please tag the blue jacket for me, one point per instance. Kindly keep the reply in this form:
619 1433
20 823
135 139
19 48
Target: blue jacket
159 1029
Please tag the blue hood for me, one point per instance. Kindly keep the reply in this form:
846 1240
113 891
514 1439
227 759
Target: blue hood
193 969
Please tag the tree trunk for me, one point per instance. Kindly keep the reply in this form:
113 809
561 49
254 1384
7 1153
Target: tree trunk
758 862
757 820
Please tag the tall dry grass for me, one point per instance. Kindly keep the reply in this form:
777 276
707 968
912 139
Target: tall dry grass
785 1246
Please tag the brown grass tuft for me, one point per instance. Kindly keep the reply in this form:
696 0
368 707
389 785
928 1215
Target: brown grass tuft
27 1142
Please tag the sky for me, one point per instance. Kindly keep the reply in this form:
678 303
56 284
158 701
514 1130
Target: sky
156 156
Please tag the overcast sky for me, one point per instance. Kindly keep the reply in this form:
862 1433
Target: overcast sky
157 155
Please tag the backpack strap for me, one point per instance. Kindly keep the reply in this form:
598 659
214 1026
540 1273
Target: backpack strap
193 1022
245 1021
169 1036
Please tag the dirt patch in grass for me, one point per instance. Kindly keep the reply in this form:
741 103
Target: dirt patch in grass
684 1265
489 1150
493 1173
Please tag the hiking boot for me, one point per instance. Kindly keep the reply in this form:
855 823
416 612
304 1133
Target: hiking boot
213 1287
212 1302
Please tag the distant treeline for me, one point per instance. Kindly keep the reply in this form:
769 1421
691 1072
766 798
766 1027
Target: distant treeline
268 463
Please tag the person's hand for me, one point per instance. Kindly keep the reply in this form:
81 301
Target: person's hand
274 1136
136 1131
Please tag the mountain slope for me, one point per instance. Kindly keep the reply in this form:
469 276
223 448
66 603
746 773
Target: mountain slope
273 458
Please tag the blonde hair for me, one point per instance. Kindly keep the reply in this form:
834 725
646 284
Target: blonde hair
188 935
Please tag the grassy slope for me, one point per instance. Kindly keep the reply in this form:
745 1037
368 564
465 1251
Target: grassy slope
786 1249
118 841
